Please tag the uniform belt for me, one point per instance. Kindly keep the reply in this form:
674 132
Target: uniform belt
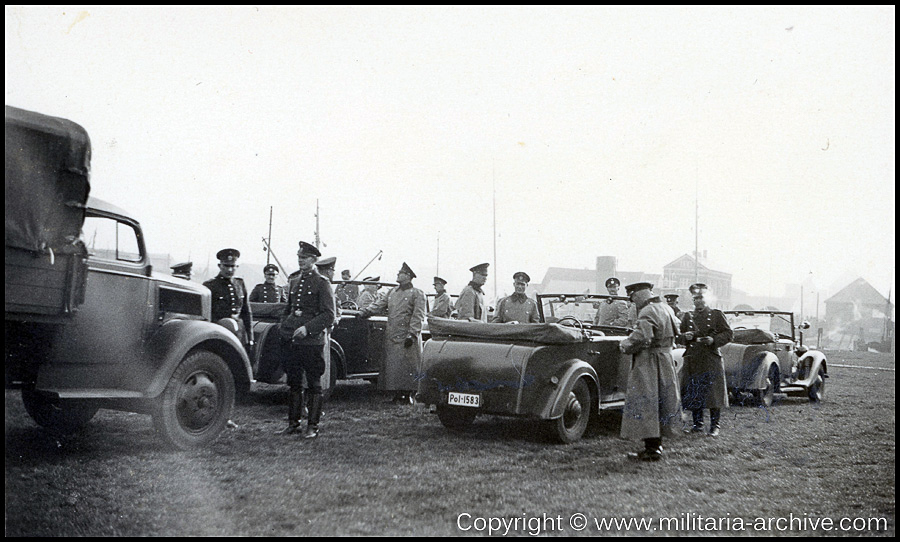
662 349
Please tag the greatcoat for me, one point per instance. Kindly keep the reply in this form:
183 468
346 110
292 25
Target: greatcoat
405 318
471 303
652 404
443 306
704 371
516 308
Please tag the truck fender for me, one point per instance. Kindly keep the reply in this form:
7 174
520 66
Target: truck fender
568 375
763 363
175 338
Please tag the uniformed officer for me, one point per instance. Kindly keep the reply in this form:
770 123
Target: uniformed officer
704 330
614 312
268 291
443 305
652 406
325 267
229 297
517 308
346 292
369 293
405 307
672 301
470 305
308 313
182 270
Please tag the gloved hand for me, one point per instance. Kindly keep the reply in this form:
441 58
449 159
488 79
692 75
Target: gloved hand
706 340
408 342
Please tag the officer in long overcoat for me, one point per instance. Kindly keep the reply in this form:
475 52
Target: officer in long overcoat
403 336
652 405
703 331
518 307
470 305
229 297
443 305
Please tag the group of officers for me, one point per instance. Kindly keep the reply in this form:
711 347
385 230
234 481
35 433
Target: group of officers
654 399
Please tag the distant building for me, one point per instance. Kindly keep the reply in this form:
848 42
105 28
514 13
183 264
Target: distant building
592 281
858 314
679 274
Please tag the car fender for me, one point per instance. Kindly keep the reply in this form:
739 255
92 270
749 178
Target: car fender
338 357
175 338
762 363
568 375
809 365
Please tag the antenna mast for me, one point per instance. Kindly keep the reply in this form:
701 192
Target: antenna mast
269 252
317 223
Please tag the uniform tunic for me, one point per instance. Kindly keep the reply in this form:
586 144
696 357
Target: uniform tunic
405 317
517 308
471 303
229 300
310 303
704 371
365 299
443 307
268 293
346 292
652 404
615 312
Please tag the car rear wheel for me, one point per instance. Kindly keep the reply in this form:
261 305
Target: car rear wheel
456 417
576 413
766 396
197 401
817 389
61 417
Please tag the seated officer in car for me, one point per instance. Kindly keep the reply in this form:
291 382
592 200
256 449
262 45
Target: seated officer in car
268 291
229 297
517 308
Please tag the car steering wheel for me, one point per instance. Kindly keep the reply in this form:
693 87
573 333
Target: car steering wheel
571 319
350 305
739 327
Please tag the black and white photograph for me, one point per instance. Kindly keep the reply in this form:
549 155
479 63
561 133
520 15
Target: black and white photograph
450 271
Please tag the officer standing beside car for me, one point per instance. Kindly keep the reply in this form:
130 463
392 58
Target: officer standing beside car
268 291
405 306
652 405
614 312
517 308
672 301
443 305
309 312
703 331
470 305
230 308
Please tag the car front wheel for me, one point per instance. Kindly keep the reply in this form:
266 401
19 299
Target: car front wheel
766 396
197 401
61 417
576 413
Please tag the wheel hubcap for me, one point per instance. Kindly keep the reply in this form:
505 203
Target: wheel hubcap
198 401
573 410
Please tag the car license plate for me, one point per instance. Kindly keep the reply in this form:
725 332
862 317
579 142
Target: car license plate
464 399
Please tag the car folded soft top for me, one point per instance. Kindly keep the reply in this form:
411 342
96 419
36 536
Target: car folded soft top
537 333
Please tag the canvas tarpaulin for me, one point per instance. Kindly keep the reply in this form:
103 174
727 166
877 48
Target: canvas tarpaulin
538 333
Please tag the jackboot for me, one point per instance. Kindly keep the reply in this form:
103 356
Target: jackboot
304 410
697 425
315 414
295 399
652 450
714 415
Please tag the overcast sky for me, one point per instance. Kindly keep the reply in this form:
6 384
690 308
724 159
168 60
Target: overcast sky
599 129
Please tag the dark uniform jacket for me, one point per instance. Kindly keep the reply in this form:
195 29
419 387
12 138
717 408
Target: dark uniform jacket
268 293
704 370
310 303
229 300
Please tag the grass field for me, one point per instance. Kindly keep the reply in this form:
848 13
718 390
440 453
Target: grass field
382 469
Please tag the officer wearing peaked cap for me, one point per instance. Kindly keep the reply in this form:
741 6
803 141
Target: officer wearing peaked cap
309 312
614 312
230 306
703 331
518 307
652 404
369 293
672 301
470 305
182 270
405 309
268 291
346 292
443 306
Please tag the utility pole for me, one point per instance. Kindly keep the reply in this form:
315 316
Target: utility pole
697 224
317 223
269 252
494 182
437 267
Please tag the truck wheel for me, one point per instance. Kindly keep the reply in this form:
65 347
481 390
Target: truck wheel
817 389
456 417
577 412
197 401
60 417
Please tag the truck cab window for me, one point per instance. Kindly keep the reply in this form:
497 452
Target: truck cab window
110 239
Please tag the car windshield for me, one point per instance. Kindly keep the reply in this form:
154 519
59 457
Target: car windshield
584 307
429 300
778 323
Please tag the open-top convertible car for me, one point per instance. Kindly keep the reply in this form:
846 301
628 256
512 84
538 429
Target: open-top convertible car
767 356
559 372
